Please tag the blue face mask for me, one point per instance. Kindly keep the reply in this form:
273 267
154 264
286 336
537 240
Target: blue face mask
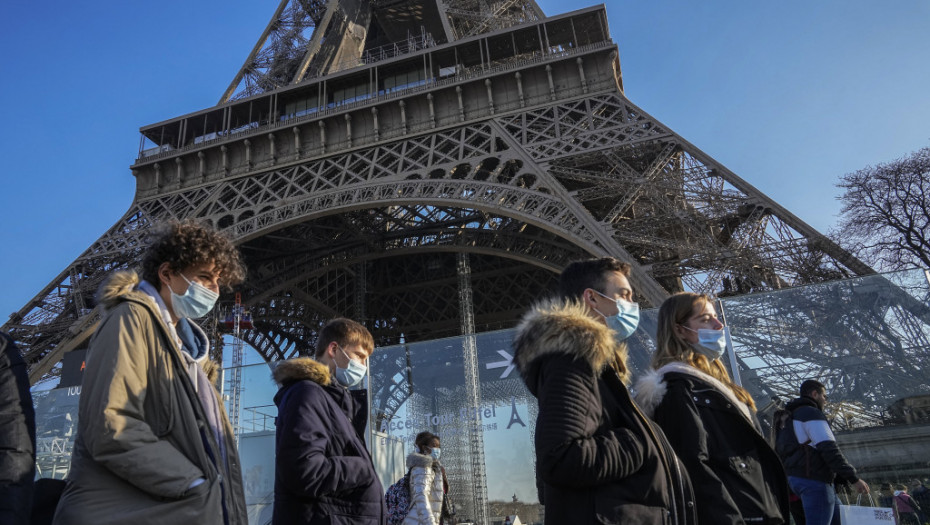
435 453
196 302
711 343
353 375
625 321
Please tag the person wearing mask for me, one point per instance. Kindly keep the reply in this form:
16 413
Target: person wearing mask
153 442
323 471
427 481
709 420
17 436
812 458
598 458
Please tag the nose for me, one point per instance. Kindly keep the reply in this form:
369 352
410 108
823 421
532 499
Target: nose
717 324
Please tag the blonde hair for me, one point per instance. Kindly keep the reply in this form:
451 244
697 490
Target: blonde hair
670 347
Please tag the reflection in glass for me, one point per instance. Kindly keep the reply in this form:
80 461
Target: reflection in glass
867 339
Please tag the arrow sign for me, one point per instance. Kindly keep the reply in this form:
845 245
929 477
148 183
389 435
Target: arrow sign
507 362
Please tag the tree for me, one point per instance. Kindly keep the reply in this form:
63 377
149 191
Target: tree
885 218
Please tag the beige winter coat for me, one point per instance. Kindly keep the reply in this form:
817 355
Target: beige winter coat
143 436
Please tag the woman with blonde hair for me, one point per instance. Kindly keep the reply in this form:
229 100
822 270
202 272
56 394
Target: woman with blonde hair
710 420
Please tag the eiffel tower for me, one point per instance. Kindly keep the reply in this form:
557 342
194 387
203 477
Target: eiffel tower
428 167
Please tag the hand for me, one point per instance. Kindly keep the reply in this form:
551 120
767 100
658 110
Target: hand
861 487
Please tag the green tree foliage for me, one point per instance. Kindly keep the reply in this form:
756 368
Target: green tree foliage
885 218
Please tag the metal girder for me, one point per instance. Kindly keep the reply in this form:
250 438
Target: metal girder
560 172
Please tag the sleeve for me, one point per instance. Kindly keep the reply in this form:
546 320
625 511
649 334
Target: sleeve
304 439
113 420
680 420
421 479
17 439
569 450
818 431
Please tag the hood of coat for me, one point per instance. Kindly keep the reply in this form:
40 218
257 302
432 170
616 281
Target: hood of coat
803 401
651 388
299 369
125 286
415 459
563 327
117 287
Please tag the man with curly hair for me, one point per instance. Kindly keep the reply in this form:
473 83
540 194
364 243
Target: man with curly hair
154 444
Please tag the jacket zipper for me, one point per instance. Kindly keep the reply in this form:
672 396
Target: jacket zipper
665 462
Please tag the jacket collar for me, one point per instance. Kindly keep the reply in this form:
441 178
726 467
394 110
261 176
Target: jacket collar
191 338
802 401
415 459
651 388
563 327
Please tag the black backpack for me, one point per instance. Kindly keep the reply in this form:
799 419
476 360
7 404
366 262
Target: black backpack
786 441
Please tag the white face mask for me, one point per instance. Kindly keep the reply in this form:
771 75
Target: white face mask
435 453
711 343
196 302
353 374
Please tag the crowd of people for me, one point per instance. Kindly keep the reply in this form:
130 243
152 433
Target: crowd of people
154 444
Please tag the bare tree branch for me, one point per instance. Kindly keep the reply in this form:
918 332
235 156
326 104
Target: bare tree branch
885 214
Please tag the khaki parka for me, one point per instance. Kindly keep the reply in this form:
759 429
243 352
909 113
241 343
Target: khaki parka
143 436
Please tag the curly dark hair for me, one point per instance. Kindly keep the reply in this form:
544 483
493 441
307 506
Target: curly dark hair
190 243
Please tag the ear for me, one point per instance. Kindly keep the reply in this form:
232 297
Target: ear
587 296
164 273
331 349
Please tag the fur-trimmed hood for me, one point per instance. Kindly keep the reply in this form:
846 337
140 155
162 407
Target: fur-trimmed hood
651 388
301 368
415 459
563 327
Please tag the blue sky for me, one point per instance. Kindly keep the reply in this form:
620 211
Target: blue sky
789 95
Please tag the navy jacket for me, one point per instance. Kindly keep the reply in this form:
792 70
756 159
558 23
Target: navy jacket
323 472
817 456
17 436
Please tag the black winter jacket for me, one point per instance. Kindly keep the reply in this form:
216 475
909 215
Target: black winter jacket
17 436
323 472
738 479
816 455
599 460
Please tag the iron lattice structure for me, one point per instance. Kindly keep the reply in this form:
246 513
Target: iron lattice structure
366 147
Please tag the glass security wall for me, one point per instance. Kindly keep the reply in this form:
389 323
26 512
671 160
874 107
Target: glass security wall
867 339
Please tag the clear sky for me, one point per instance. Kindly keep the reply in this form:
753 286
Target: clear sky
789 95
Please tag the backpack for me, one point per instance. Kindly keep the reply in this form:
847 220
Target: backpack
786 441
397 500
